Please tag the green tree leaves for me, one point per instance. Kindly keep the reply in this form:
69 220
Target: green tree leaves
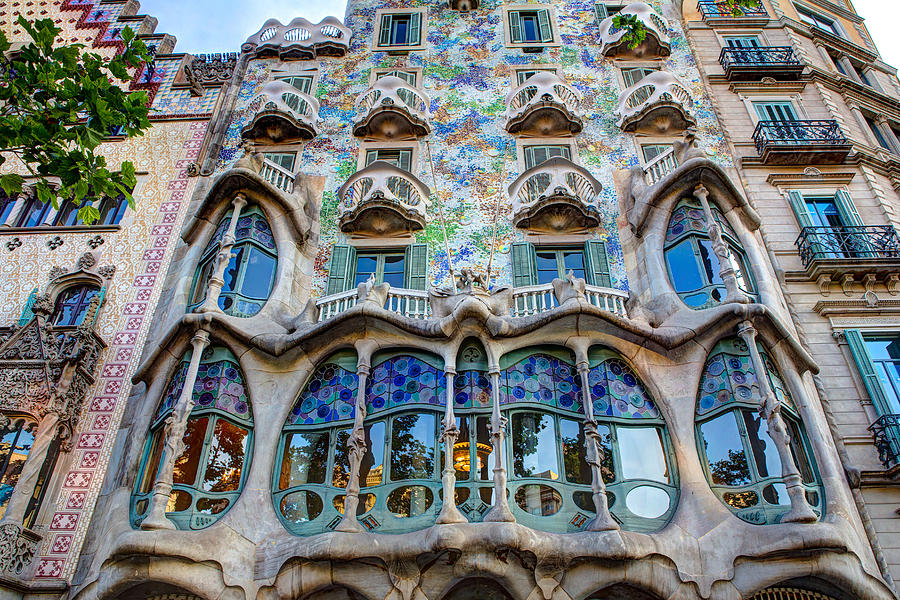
635 32
57 104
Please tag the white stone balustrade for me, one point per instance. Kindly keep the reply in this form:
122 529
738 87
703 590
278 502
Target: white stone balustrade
392 108
277 176
299 39
383 199
544 104
556 195
283 114
656 41
658 103
660 166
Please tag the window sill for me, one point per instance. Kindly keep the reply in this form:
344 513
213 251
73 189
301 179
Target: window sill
398 49
4 230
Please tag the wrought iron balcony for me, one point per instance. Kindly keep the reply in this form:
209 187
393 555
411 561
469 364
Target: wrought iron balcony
713 11
299 39
753 63
543 105
658 103
801 142
383 200
878 242
555 196
284 114
392 108
886 431
656 43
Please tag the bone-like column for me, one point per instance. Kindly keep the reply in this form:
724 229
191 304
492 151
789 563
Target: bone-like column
356 450
603 521
449 436
217 279
720 248
500 510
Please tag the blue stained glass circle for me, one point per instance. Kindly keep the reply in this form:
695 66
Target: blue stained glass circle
308 405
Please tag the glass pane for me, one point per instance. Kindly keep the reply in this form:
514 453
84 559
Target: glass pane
641 451
647 501
574 261
340 475
547 267
798 450
365 266
410 501
305 459
768 464
683 267
823 212
225 461
152 464
186 464
534 446
725 451
412 446
300 507
577 468
538 500
462 452
259 274
484 448
393 270
203 281
17 447
885 354
709 261
529 27
232 270
371 469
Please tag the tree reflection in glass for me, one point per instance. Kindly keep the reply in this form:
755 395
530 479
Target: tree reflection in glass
186 464
768 463
304 460
534 445
225 460
372 466
725 452
641 450
574 452
412 446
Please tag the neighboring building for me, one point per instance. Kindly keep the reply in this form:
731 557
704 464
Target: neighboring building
487 252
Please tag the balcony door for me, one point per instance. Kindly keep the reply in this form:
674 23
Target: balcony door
775 111
535 155
745 50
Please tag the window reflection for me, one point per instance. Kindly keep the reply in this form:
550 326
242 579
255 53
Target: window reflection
534 445
642 454
412 446
724 451
14 449
186 464
225 460
768 463
304 460
571 435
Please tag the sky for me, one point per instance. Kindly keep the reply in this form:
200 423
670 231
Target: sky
203 26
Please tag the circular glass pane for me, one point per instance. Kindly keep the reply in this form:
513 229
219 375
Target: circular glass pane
178 500
584 501
741 499
540 500
366 502
776 493
212 506
410 501
300 507
647 501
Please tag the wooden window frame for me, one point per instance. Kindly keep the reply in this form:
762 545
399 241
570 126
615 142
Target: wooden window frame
553 21
423 30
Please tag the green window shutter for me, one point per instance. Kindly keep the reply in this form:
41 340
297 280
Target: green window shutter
845 206
416 276
384 39
801 211
405 160
597 263
415 26
340 270
524 264
102 295
867 370
27 313
515 27
600 9
544 22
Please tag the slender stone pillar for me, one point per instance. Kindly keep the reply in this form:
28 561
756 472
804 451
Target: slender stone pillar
217 279
176 425
449 436
770 408
500 510
356 450
726 269
603 521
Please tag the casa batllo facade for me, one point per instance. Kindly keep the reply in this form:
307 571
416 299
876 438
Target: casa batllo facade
472 250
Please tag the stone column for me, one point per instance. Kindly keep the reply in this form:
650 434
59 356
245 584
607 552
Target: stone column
500 510
46 432
770 408
826 58
868 135
217 279
449 436
176 425
726 270
356 449
603 521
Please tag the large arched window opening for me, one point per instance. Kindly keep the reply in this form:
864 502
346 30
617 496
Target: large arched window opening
211 470
16 441
741 460
693 267
72 305
250 273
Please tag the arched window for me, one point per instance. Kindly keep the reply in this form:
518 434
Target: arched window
250 273
16 441
693 266
72 305
211 471
742 462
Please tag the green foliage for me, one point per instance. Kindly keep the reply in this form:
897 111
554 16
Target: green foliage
57 104
635 32
738 7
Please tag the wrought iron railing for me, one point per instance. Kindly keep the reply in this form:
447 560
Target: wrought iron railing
798 133
772 56
722 10
835 243
886 431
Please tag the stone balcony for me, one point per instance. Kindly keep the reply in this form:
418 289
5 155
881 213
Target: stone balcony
656 104
383 200
717 13
555 196
886 433
751 64
660 166
277 175
299 39
392 109
283 115
463 5
656 42
543 105
848 255
801 142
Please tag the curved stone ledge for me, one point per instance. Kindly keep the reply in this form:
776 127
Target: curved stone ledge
285 115
392 109
299 39
543 105
556 196
382 199
656 104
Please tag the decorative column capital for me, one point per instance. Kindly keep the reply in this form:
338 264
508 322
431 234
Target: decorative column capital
239 202
701 193
747 332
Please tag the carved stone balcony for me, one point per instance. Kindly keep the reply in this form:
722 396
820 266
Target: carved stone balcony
18 547
748 64
392 109
277 175
720 13
656 104
299 39
383 200
543 105
655 44
555 196
463 5
660 166
801 142
284 114
886 431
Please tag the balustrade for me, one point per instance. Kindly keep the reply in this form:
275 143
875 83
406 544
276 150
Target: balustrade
283 114
299 39
383 199
656 41
657 103
555 195
660 166
392 108
750 63
801 142
544 104
278 176
835 243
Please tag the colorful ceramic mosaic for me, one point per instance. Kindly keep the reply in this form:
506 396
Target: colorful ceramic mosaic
472 389
542 379
403 380
219 385
330 395
730 377
618 393
168 102
689 218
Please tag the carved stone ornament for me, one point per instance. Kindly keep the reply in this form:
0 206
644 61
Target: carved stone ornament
209 70
369 291
54 242
56 272
107 271
86 261
444 301
17 549
13 244
96 241
193 169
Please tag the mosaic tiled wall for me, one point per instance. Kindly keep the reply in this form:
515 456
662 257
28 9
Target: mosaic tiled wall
466 73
